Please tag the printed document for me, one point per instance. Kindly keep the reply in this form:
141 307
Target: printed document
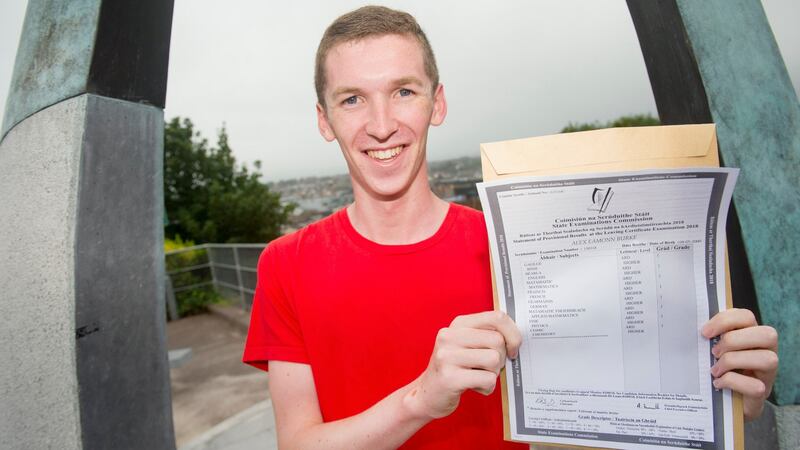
610 277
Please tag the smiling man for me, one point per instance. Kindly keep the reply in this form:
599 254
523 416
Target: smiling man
375 323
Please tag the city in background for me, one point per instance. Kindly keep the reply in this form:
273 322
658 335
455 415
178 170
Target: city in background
316 197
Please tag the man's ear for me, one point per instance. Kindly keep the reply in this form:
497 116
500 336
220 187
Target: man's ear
322 122
439 106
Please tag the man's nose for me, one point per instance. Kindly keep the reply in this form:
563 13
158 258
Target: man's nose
382 122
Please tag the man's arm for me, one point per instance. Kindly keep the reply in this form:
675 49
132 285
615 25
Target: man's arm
467 355
747 359
298 420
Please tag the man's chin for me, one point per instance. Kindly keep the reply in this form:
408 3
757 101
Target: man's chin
388 187
389 194
386 191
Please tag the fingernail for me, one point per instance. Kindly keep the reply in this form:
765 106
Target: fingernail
716 383
715 351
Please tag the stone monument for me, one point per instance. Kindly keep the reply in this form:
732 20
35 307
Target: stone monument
84 361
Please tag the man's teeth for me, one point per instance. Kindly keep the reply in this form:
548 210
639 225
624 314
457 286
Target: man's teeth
385 154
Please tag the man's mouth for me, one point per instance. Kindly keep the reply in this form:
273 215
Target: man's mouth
385 155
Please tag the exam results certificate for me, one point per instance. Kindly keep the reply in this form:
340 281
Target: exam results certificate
610 277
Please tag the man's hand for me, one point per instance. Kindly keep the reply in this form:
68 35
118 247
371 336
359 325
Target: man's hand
747 358
468 354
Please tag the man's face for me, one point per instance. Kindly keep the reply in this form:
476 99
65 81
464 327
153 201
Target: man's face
379 105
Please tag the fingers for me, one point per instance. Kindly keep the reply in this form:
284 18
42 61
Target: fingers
756 337
471 338
456 379
468 358
754 391
746 357
497 321
728 320
748 386
482 381
765 361
469 348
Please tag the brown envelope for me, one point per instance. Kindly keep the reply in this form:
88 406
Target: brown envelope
607 150
611 149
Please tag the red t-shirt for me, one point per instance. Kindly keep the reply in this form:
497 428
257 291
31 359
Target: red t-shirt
365 317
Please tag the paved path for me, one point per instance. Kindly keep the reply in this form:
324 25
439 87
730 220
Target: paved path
251 429
213 393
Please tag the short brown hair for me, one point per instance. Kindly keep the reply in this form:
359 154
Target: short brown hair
366 22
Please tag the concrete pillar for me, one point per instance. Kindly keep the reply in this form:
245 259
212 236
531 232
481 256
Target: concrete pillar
81 231
717 61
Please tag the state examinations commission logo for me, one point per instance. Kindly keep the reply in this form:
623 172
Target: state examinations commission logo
601 199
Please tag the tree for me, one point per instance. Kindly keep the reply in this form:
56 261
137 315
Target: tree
209 198
636 120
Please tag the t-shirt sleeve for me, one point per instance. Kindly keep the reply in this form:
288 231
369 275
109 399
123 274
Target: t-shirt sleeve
274 332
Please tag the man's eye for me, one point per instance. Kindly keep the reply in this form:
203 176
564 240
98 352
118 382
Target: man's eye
405 92
352 100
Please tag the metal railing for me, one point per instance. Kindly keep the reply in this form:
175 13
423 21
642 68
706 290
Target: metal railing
230 268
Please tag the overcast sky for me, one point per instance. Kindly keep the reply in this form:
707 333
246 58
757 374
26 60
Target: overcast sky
511 69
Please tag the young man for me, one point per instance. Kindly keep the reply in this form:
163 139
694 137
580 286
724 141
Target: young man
376 321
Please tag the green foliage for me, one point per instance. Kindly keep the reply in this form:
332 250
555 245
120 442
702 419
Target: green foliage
636 120
209 198
196 301
177 243
190 301
573 127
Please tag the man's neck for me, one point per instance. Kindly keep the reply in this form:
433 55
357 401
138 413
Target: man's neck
413 217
